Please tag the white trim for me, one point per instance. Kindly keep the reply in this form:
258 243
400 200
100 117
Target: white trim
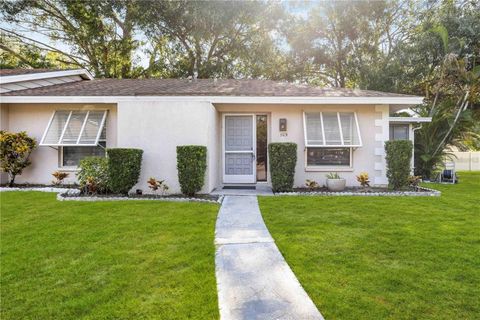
217 99
324 144
240 178
409 119
323 131
340 129
99 133
59 142
83 126
48 128
45 75
358 130
380 138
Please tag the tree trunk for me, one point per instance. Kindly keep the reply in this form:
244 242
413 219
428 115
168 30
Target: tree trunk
12 180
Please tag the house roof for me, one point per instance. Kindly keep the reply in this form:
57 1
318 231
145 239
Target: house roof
16 72
199 87
18 76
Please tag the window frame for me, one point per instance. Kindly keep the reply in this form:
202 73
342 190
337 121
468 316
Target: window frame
329 167
59 142
325 145
391 131
75 168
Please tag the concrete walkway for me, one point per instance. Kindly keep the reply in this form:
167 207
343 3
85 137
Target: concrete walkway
253 279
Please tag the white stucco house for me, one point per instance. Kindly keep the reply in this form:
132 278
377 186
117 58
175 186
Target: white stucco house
73 115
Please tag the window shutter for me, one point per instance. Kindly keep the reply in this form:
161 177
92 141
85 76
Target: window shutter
331 129
76 127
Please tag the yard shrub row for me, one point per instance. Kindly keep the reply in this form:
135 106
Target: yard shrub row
398 157
283 158
191 166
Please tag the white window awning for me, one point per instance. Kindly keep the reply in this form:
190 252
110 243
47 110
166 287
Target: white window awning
331 129
75 128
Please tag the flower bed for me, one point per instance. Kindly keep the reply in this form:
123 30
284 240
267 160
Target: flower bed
68 193
419 192
134 197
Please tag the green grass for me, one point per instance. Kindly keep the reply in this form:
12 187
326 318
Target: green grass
385 258
106 260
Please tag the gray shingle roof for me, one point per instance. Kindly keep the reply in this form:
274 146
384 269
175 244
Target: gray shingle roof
199 87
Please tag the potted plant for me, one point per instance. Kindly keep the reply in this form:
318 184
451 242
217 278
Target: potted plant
335 182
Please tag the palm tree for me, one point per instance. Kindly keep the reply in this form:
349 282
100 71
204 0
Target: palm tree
453 118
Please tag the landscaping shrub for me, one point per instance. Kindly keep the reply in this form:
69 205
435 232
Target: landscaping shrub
283 158
15 150
93 175
124 165
191 166
398 156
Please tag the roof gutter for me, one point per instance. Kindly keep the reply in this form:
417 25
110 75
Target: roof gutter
46 75
406 101
409 119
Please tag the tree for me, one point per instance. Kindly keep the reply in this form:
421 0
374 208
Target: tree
15 150
15 54
456 95
341 44
95 34
210 38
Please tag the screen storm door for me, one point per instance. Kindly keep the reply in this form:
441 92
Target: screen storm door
239 149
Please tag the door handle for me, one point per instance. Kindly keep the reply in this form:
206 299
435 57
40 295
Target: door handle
253 155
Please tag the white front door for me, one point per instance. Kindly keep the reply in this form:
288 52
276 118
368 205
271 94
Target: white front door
239 148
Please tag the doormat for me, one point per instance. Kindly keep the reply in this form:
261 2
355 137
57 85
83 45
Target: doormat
240 187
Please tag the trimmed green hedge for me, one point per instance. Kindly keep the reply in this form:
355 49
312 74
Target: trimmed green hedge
92 175
283 158
124 165
398 156
191 166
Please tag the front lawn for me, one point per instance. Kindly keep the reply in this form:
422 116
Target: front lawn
106 260
384 258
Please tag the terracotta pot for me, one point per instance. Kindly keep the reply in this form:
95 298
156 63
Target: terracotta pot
336 184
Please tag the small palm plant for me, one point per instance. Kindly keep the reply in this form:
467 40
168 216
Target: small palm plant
364 181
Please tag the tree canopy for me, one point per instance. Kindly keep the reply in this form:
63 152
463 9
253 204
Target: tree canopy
428 48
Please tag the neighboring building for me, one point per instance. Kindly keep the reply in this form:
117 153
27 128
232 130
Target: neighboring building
72 116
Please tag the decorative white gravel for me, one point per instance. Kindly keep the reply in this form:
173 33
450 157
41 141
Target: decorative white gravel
42 189
427 192
64 194
62 197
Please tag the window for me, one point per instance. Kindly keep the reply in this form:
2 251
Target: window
74 128
71 156
77 134
330 138
332 157
331 129
399 132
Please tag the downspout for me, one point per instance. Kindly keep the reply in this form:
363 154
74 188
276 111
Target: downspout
413 150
